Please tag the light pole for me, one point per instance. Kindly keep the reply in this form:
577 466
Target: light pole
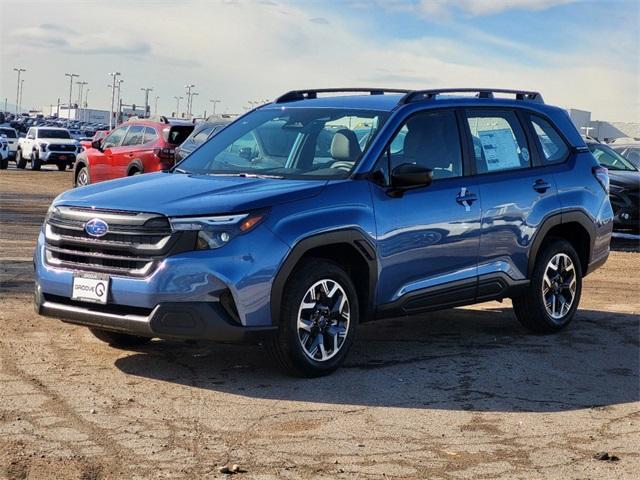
178 105
188 88
21 89
71 76
80 89
113 94
191 107
119 102
155 109
146 100
19 70
214 105
86 103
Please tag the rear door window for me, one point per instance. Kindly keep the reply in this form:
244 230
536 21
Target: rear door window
134 136
553 147
499 142
150 135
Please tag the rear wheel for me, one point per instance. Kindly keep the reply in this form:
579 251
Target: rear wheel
4 163
21 162
82 178
119 339
552 299
319 319
35 161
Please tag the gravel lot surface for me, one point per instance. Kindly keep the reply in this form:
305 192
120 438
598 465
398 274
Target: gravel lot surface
464 393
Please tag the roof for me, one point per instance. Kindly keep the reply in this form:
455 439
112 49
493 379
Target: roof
389 99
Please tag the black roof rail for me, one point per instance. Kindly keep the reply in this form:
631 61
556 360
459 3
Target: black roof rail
294 95
418 95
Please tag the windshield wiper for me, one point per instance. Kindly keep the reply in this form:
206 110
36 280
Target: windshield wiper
244 175
180 170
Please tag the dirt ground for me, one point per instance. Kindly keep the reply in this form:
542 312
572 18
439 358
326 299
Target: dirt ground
464 393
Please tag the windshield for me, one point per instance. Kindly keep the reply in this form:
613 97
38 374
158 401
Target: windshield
305 143
607 157
44 133
9 132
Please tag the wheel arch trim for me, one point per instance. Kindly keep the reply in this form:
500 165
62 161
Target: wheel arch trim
562 218
351 236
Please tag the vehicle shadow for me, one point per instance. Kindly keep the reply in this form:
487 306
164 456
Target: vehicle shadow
458 359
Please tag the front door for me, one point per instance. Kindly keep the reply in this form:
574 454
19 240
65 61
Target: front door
427 238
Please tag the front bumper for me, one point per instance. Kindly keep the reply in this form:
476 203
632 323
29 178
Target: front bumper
219 294
190 321
51 157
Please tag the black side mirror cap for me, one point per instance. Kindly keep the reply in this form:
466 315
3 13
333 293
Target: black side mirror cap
410 175
97 144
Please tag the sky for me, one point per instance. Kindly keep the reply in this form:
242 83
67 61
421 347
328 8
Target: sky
579 53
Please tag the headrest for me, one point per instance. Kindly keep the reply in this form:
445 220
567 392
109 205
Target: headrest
345 146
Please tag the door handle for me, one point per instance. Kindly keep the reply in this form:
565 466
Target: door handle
466 198
541 186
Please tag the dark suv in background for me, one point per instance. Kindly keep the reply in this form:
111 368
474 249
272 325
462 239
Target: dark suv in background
310 215
202 131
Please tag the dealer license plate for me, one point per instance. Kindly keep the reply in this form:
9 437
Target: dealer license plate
90 288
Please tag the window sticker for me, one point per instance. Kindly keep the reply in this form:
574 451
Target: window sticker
500 149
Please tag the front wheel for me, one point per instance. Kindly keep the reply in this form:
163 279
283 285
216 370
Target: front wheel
119 339
35 161
552 298
82 178
319 319
21 162
62 166
4 163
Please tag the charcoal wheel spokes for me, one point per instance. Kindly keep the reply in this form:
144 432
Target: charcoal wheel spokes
559 286
323 320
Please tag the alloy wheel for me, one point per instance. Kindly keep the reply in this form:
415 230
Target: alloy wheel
83 178
323 320
559 286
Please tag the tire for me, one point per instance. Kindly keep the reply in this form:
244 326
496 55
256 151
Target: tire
82 178
21 162
550 315
36 164
4 163
304 351
119 339
62 166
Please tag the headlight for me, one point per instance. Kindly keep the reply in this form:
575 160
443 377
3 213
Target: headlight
215 232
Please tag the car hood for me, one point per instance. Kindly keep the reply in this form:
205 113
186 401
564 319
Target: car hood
626 179
175 194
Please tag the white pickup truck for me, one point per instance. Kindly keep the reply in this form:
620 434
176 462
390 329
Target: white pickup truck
11 136
47 145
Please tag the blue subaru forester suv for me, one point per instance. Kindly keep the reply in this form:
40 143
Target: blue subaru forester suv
315 213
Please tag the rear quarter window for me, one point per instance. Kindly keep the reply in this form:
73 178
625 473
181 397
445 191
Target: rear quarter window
552 146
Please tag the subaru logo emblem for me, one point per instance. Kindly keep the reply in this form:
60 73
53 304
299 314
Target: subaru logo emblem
96 227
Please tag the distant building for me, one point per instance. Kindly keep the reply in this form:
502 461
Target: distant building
82 114
602 129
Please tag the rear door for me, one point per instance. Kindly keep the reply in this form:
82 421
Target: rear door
517 192
129 151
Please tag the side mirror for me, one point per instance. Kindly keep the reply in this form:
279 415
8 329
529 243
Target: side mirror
97 144
31 137
409 175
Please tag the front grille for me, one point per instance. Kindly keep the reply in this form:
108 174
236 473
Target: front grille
61 148
136 243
